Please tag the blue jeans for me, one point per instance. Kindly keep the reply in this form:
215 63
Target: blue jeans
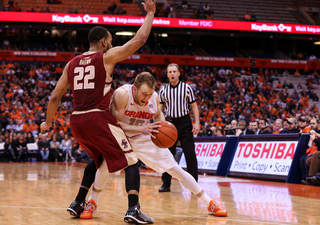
44 154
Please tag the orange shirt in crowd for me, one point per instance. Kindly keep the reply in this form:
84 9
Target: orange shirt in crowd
306 130
34 127
27 128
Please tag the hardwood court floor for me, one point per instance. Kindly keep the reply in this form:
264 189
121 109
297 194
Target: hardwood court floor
39 193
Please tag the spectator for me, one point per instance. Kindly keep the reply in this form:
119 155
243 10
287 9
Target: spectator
54 147
253 17
30 138
66 147
254 127
312 161
285 85
19 126
172 12
44 147
277 127
21 149
184 4
9 149
242 130
263 127
81 155
201 11
279 85
312 57
11 126
292 126
207 12
247 17
285 73
303 125
220 132
120 11
47 10
297 73
7 6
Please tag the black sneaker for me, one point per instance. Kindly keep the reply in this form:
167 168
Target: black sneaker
76 208
134 215
164 188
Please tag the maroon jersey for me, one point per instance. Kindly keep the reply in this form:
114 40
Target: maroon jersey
90 83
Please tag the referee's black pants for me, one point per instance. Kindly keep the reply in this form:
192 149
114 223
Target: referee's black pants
185 136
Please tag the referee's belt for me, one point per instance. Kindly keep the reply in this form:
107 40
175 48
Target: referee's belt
170 119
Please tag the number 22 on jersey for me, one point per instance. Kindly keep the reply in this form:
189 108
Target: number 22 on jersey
83 77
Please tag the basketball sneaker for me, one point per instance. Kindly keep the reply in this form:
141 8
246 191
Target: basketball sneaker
76 208
91 208
217 209
134 215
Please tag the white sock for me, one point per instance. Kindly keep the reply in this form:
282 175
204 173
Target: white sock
102 177
95 196
205 198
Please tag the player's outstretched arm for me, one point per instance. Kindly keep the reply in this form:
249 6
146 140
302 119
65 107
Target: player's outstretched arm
61 88
120 53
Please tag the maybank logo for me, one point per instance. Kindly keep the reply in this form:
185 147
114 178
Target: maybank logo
75 19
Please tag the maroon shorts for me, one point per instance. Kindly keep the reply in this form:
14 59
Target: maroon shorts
100 134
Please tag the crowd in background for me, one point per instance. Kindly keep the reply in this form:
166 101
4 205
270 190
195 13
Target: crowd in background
223 95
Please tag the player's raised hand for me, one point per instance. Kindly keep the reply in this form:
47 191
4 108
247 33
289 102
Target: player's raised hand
149 6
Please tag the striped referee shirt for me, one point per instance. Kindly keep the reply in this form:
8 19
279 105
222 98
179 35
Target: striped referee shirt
177 99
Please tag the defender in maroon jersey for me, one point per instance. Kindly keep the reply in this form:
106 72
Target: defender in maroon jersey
92 125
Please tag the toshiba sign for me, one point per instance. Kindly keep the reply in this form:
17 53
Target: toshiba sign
268 157
208 155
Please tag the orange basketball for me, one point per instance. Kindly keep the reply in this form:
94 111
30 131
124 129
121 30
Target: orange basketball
167 135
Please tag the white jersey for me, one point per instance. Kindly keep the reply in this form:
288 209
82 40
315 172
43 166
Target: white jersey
159 159
137 115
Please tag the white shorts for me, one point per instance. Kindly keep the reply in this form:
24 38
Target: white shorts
159 159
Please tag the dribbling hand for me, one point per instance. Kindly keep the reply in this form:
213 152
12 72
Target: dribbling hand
149 6
150 128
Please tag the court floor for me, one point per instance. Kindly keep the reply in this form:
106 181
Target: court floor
39 193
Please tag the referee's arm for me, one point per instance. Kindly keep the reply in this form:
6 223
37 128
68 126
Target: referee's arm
159 114
161 107
196 125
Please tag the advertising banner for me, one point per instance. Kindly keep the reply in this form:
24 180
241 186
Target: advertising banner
36 56
167 59
68 18
264 157
208 155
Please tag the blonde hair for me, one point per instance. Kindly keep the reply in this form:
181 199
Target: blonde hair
173 64
144 77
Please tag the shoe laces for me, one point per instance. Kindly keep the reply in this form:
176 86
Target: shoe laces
141 215
90 207
216 205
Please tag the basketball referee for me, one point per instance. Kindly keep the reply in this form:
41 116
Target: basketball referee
177 97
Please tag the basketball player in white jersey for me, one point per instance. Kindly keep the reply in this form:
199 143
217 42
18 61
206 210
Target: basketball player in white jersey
134 106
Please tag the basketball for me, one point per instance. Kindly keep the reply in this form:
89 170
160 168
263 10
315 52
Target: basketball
167 135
